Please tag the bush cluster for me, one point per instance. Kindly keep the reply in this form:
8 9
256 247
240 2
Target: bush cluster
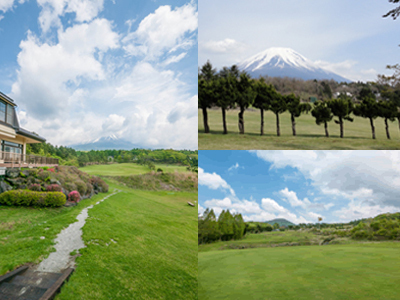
35 187
54 188
32 198
74 196
377 229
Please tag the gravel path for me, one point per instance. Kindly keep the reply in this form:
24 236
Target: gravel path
68 240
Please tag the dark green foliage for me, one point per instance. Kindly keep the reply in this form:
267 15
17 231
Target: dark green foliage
227 227
388 111
341 107
207 92
368 108
295 109
245 96
382 227
32 198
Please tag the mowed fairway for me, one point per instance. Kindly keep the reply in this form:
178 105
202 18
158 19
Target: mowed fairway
357 134
140 245
354 271
127 169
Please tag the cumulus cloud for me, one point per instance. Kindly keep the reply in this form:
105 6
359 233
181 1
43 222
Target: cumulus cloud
164 30
214 181
84 10
292 198
368 178
6 5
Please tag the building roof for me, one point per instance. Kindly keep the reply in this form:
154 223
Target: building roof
29 134
7 99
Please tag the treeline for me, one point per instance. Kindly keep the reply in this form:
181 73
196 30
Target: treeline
227 227
230 88
69 156
382 227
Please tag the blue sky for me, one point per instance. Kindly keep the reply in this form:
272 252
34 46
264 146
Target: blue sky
84 69
301 186
349 38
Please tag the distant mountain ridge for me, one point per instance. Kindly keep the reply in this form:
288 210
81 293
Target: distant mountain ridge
106 143
281 222
285 62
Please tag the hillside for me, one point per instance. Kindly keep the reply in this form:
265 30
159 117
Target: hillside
280 221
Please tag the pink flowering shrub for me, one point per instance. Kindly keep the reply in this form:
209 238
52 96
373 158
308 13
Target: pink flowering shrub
54 188
35 187
51 170
74 196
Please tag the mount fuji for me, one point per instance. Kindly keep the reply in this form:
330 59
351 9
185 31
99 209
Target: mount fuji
106 143
285 62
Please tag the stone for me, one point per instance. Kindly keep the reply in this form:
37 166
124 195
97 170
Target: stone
4 187
42 237
191 204
13 181
12 173
26 173
54 181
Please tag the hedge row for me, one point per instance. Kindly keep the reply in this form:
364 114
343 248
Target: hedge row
32 198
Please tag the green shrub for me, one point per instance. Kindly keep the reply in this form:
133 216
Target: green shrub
35 187
81 187
32 198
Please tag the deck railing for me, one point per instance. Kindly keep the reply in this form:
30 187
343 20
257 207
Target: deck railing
26 159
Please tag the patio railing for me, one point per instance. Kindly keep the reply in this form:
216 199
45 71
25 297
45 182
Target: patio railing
26 159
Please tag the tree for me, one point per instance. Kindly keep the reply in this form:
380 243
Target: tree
341 108
207 93
276 226
264 94
245 97
277 106
226 90
295 109
322 114
388 111
368 108
394 13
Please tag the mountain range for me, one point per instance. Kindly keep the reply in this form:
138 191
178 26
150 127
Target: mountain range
285 62
106 143
281 222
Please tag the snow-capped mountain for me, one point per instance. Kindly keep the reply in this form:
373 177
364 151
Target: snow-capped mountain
285 62
106 143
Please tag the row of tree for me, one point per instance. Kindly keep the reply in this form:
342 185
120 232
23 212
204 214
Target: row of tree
69 156
227 227
231 88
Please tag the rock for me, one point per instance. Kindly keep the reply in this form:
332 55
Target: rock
4 187
22 187
13 181
191 204
26 173
54 181
42 237
12 173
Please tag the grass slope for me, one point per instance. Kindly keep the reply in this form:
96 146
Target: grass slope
356 271
127 169
155 254
22 227
357 135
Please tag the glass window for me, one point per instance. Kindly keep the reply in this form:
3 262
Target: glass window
10 114
2 111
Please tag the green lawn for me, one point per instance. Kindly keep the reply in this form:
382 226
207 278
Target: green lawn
357 135
155 254
22 227
354 271
127 169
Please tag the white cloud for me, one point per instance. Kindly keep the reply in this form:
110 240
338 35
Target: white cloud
234 167
6 5
292 198
174 59
359 211
84 10
214 181
226 46
271 206
163 31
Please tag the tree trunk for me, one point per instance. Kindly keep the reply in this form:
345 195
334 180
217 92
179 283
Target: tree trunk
278 130
372 127
293 124
341 126
224 121
241 121
398 119
387 128
205 120
326 129
262 121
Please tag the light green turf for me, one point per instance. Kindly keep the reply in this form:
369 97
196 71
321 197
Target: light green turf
155 251
355 271
22 227
357 135
127 169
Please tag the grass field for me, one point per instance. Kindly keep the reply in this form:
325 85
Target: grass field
22 227
354 271
357 135
127 169
155 254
